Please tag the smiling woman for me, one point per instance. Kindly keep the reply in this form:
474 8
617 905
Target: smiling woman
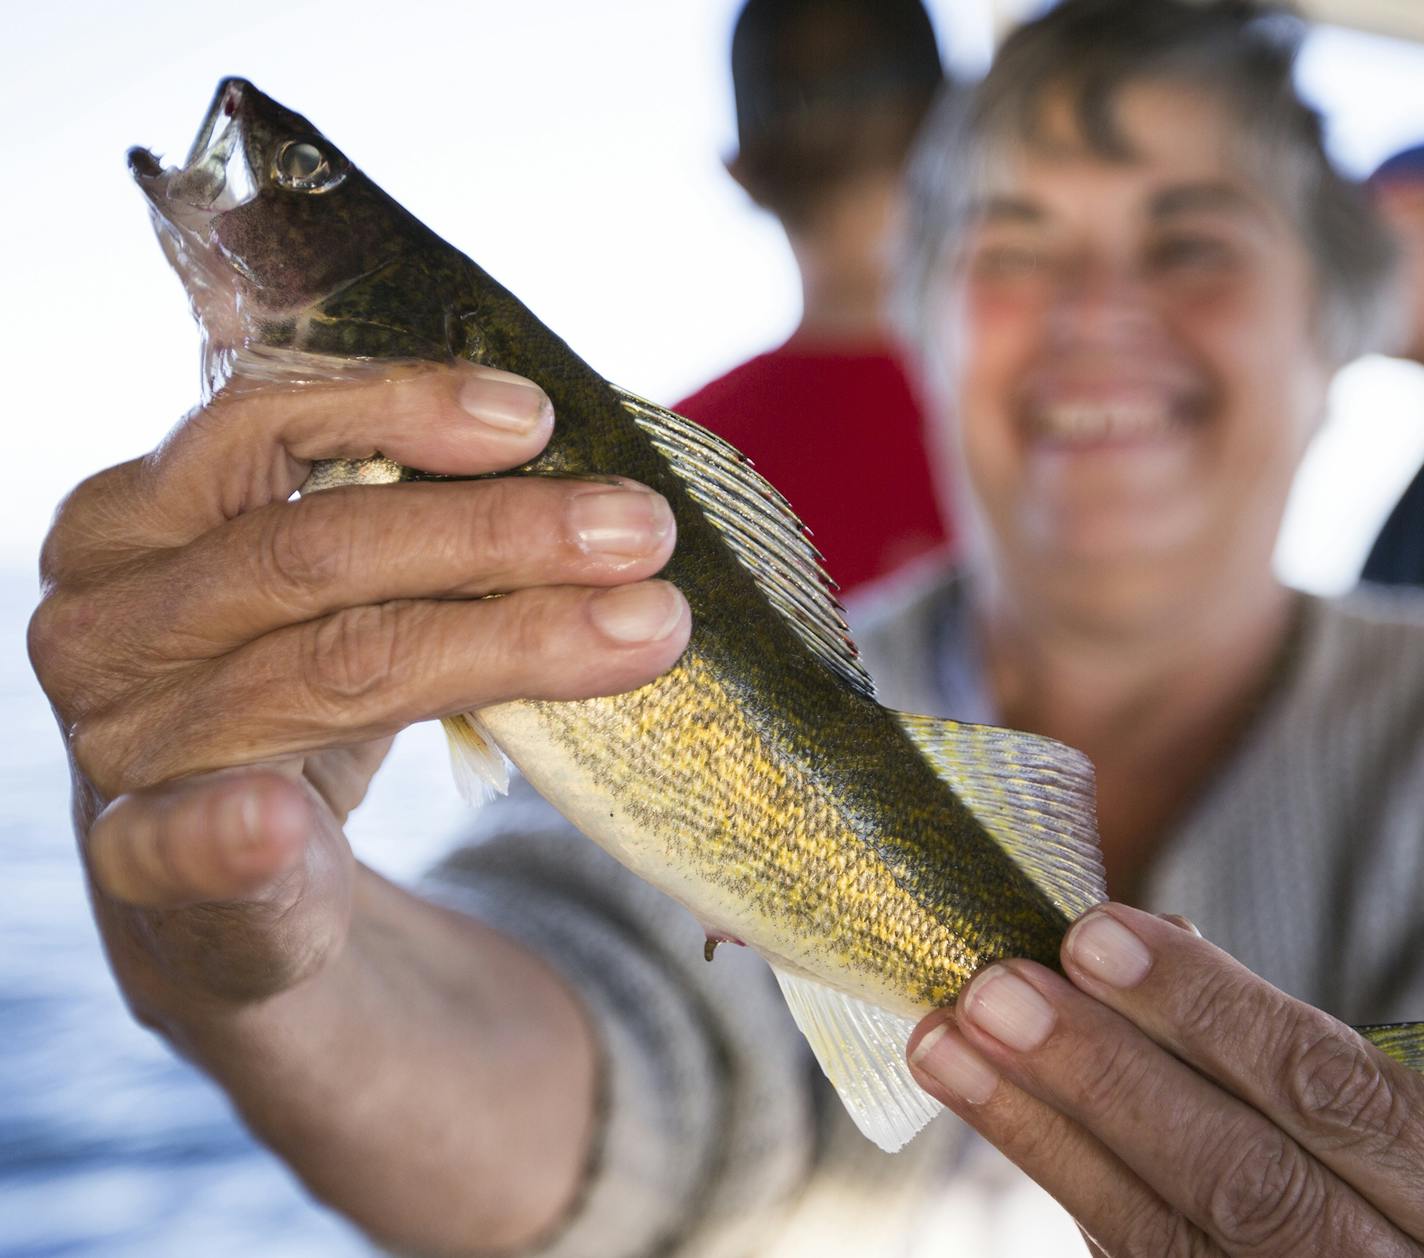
1131 278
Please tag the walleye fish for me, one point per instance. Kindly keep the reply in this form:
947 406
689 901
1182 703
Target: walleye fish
876 859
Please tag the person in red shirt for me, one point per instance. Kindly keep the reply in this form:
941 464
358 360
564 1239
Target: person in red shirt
829 94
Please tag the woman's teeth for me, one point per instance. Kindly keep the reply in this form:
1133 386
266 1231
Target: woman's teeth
1098 421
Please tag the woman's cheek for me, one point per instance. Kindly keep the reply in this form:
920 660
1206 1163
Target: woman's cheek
997 332
1005 308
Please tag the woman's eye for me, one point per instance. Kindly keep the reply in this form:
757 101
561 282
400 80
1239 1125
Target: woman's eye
1008 262
1189 253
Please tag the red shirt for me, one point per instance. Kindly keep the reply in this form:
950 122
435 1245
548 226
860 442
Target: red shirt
840 434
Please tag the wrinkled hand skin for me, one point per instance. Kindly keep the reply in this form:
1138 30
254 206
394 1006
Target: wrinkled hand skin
228 664
1176 1104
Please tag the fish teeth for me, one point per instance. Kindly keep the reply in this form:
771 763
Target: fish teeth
1096 421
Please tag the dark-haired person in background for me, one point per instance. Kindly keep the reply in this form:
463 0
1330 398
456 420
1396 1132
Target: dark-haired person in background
1397 557
829 94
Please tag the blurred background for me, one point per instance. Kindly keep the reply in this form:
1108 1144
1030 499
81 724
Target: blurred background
574 150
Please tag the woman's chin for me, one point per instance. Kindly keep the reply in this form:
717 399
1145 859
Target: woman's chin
1108 541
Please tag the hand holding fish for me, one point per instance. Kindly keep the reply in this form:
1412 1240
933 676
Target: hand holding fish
1173 1102
228 666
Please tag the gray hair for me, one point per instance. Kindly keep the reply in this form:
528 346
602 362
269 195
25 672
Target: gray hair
1243 54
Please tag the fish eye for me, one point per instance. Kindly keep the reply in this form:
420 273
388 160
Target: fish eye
301 166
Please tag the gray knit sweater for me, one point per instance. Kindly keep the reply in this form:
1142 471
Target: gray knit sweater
719 1138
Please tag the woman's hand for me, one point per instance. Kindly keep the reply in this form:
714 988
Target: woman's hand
228 665
1175 1103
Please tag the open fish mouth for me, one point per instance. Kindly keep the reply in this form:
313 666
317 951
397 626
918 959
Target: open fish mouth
216 175
185 203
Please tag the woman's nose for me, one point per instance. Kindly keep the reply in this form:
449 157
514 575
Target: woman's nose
1101 303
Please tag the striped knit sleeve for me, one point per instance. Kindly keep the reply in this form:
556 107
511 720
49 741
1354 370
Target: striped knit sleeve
706 1122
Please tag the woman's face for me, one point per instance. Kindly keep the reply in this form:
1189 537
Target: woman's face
1131 368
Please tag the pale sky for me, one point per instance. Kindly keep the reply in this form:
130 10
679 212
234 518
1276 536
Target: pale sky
571 148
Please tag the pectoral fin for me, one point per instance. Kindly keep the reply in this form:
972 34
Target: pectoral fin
1404 1041
861 1048
1033 795
480 769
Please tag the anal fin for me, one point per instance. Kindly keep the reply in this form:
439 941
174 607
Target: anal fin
861 1049
1404 1041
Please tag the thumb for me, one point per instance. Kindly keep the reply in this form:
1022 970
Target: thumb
213 837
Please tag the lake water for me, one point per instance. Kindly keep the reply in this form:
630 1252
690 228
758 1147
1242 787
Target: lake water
109 1145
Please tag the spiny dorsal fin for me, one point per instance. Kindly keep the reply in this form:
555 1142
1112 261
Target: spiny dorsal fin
762 531
1034 795
861 1049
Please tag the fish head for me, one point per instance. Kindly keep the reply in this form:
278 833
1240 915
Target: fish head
265 221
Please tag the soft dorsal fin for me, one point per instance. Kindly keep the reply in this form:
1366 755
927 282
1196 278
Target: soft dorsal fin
762 531
861 1049
1034 795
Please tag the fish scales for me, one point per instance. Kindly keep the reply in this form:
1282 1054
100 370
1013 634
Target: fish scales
710 787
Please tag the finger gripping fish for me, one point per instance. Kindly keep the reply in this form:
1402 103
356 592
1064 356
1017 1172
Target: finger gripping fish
876 859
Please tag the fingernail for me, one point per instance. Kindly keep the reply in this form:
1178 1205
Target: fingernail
1184 923
623 523
949 1061
504 401
637 613
1008 1008
1104 948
